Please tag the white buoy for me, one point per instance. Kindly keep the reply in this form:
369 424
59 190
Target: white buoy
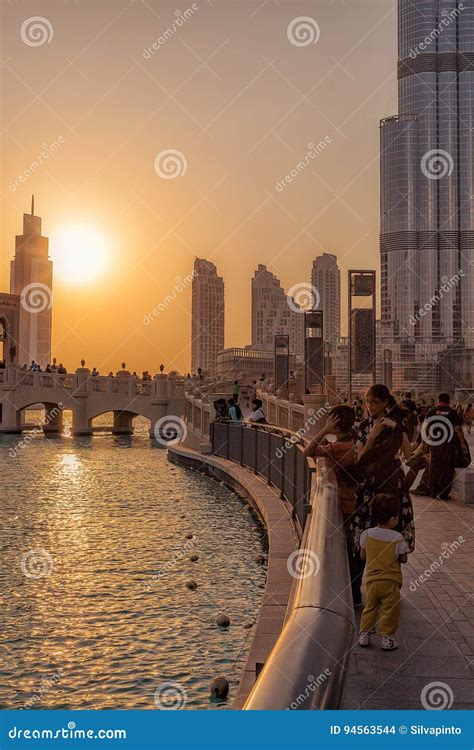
223 621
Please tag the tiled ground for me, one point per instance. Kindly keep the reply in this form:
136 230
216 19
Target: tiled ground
436 635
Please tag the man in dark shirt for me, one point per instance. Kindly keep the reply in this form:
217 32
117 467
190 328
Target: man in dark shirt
412 415
442 429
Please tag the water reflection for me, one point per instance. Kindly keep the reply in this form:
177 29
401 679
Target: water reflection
113 620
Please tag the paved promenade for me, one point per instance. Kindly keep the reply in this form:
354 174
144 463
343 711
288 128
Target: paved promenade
436 635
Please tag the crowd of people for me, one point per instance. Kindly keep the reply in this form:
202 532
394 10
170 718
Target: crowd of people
379 449
383 451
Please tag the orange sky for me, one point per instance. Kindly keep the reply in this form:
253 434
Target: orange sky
229 91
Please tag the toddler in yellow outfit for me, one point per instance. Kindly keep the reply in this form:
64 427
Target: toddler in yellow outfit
383 549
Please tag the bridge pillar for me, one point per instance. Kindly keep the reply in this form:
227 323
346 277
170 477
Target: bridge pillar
123 423
159 405
80 423
53 424
10 418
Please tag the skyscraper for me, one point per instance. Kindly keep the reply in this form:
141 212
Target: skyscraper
272 314
326 279
31 277
207 317
427 186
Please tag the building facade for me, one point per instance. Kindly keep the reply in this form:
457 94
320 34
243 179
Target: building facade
273 313
427 189
207 335
31 278
326 279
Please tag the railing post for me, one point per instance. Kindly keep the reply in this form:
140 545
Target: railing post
269 457
228 436
256 448
282 492
242 428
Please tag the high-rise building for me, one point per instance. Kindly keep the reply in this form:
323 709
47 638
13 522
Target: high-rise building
326 279
31 277
273 313
208 317
427 189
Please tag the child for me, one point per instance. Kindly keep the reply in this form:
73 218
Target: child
383 549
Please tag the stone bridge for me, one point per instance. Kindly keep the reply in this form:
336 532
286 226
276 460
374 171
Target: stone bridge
86 397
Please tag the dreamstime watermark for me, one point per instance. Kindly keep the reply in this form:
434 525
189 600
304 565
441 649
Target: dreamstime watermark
15 451
171 564
303 31
437 430
170 164
437 696
448 550
182 17
312 686
303 297
448 17
303 563
181 285
36 297
314 149
36 563
437 164
170 696
446 286
36 31
46 684
302 431
47 150
170 430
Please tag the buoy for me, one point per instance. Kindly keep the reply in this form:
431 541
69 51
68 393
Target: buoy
223 621
194 558
191 584
260 559
248 625
219 688
189 536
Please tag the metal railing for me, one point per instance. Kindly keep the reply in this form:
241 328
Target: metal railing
306 667
269 452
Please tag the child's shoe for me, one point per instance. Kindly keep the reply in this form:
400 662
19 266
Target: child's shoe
364 638
388 644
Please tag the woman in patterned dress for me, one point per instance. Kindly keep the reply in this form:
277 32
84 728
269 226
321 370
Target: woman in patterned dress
380 438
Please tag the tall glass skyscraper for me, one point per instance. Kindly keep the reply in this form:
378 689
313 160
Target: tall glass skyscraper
427 187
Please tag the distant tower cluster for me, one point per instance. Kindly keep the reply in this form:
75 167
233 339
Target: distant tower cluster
326 279
207 317
272 314
31 277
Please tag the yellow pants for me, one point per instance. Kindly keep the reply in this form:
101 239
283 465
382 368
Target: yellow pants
382 597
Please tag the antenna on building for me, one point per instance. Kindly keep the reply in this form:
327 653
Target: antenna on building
32 205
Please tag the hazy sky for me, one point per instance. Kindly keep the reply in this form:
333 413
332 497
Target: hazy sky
240 100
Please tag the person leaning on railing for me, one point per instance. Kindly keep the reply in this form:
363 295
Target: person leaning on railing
342 451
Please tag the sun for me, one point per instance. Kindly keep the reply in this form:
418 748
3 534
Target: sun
79 253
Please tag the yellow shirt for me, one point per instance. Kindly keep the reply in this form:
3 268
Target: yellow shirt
382 550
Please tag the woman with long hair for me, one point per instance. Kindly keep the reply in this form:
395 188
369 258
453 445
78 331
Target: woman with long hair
381 436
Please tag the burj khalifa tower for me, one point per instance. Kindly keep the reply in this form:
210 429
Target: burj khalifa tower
427 197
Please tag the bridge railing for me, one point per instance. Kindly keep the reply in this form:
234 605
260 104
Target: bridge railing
120 385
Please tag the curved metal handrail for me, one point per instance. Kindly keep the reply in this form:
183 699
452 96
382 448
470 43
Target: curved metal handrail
306 667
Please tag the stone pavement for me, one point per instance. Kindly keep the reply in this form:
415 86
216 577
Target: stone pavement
436 634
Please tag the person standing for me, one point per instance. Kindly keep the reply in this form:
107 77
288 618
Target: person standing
383 549
236 391
381 436
234 410
443 434
412 415
257 415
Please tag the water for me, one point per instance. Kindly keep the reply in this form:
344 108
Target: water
100 617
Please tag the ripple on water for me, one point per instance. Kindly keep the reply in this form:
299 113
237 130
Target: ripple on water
113 621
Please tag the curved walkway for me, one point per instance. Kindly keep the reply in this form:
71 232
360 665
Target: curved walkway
282 541
436 634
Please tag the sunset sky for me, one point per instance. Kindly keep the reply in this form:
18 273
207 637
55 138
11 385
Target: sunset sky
241 102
